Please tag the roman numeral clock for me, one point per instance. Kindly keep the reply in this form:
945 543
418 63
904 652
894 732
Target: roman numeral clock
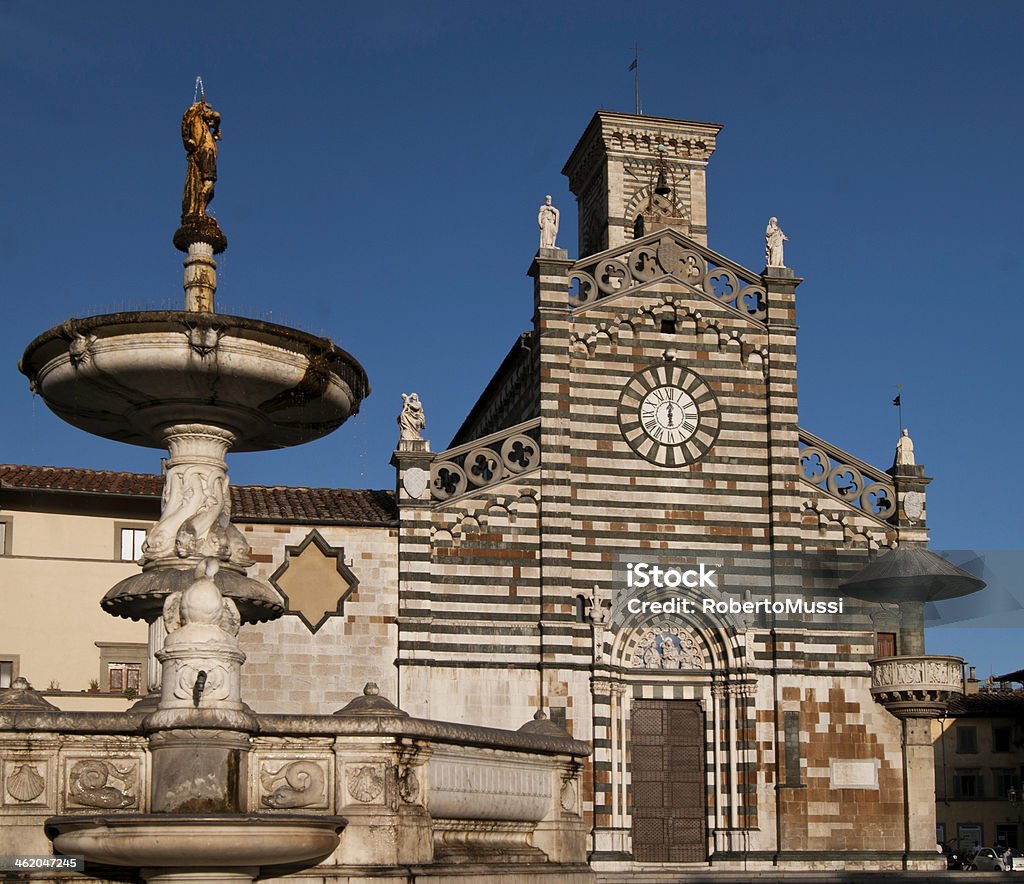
668 415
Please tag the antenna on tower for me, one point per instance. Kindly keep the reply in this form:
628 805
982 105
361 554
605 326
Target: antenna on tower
635 68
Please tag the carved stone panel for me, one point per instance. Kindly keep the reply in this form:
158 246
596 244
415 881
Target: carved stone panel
290 783
849 773
107 783
25 782
488 789
667 647
569 797
365 782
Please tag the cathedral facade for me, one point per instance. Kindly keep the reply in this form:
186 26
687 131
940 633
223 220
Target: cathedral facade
649 419
631 535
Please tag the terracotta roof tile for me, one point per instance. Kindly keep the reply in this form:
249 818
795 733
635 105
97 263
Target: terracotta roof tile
71 479
1004 703
248 502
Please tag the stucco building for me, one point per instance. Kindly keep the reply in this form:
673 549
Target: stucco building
979 759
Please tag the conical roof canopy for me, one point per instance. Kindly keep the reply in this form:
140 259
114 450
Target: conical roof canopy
911 574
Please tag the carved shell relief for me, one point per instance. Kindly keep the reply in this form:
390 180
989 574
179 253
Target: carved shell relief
365 782
409 786
568 797
25 782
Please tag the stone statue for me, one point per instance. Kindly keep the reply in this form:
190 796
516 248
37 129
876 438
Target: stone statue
547 221
671 655
651 656
200 132
904 450
411 421
773 240
200 611
600 613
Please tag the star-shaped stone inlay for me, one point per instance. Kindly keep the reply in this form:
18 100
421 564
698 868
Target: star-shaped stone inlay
314 580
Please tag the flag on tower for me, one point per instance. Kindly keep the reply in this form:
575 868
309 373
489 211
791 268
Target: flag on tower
632 66
898 400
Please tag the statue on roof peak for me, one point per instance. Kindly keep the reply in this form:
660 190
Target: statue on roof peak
773 240
905 450
547 221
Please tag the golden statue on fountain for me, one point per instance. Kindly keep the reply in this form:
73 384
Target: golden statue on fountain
200 132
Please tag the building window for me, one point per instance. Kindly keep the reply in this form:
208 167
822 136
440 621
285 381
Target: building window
966 740
8 671
1000 738
122 665
1004 779
791 729
5 535
968 835
581 609
885 644
968 784
124 676
1006 835
129 542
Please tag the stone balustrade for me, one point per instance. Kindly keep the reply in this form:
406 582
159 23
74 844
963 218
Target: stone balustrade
916 686
844 476
486 461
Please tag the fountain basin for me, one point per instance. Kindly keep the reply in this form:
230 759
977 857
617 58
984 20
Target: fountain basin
127 376
213 847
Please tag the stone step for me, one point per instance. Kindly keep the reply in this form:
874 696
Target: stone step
734 876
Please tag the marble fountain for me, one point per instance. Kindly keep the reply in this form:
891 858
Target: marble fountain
191 784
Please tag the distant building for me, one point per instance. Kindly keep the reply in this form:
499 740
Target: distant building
979 764
71 534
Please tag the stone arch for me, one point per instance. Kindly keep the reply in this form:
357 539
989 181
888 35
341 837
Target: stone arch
718 643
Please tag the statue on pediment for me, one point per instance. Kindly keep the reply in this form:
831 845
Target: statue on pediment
773 240
411 421
547 220
905 450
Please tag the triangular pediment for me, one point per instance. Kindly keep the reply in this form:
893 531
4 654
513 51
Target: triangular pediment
667 254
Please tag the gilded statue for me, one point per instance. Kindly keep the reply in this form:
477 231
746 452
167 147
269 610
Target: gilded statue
200 132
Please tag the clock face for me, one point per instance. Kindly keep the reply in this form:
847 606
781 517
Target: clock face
668 415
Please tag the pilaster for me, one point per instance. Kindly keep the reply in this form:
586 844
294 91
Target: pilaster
911 510
412 463
552 324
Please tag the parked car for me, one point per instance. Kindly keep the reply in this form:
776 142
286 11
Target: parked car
954 857
1013 860
994 859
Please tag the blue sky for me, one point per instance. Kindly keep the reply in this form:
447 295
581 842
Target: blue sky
382 164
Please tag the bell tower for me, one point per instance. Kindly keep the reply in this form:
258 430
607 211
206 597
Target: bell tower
633 174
